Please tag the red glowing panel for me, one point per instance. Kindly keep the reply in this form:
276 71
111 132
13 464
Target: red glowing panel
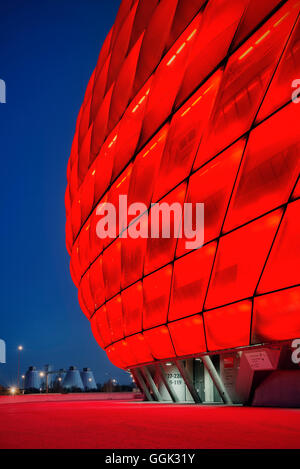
167 80
141 349
288 71
156 297
83 130
99 130
185 12
190 282
116 356
276 316
86 294
67 195
69 235
282 269
123 86
154 41
129 129
240 259
119 188
84 156
188 335
82 304
74 276
102 169
76 217
190 102
212 185
143 14
120 45
75 262
217 27
270 168
96 332
112 269
184 137
99 89
296 193
84 242
161 249
145 169
97 283
86 194
229 326
132 300
100 317
133 252
126 353
159 342
96 243
254 13
244 84
115 318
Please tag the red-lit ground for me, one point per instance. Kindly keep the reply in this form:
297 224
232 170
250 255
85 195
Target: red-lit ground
85 421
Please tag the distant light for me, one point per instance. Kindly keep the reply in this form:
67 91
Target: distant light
59 379
246 53
13 390
23 376
42 374
168 364
186 111
263 37
171 60
90 379
180 48
192 35
20 347
281 19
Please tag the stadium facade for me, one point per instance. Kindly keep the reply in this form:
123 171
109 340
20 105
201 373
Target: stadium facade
191 101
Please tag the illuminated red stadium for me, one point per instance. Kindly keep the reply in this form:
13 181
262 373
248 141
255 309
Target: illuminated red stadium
191 101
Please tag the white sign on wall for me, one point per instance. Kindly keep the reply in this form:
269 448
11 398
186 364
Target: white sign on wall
2 351
259 360
176 382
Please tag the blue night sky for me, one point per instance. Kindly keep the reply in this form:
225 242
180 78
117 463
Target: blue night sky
48 51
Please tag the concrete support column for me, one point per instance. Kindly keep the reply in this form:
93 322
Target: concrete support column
188 381
208 386
169 388
141 383
151 384
216 379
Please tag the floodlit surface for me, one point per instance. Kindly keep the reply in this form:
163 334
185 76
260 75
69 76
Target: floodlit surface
86 421
190 102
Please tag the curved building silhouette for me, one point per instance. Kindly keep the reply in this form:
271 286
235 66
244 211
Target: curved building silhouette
191 102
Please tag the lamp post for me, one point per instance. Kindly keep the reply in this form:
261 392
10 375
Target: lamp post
20 348
45 375
42 375
23 379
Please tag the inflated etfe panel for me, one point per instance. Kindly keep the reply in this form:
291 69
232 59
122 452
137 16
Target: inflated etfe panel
191 101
